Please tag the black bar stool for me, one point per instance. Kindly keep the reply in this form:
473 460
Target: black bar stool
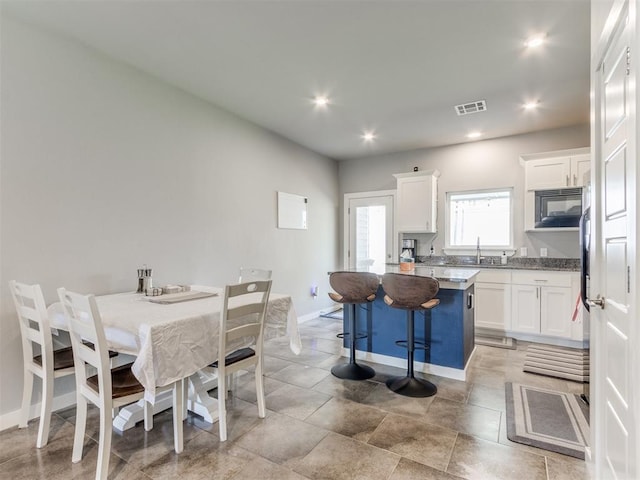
353 288
410 293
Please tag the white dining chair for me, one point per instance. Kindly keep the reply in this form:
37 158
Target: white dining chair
110 387
251 274
48 365
243 320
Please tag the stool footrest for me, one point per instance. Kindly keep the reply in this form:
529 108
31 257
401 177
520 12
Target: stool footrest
417 345
359 336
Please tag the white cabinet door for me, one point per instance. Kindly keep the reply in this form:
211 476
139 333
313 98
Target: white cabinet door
417 208
547 173
580 164
555 311
525 307
493 306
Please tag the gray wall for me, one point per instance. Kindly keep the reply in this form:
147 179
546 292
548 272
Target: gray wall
105 168
474 165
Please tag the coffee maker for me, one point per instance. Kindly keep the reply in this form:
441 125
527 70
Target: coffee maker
410 245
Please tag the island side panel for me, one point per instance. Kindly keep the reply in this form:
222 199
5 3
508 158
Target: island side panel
452 339
447 328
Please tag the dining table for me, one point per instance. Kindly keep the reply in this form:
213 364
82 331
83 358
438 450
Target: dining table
175 337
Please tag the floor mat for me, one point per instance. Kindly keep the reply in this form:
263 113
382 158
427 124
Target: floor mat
547 419
559 362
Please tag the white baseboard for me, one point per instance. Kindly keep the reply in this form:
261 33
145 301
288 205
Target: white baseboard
558 342
12 419
439 370
317 313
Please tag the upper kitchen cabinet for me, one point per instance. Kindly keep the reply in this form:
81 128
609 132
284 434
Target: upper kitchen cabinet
559 169
417 196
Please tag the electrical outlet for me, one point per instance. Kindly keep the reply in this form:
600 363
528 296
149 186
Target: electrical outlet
543 252
523 251
314 291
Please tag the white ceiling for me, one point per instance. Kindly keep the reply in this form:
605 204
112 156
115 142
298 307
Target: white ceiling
395 67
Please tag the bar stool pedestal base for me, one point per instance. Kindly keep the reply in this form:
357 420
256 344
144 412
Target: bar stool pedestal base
353 371
411 387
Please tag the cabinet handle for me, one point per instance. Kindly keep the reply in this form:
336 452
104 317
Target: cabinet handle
539 280
537 289
575 180
567 180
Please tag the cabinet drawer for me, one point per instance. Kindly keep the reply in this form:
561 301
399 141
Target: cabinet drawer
542 278
494 276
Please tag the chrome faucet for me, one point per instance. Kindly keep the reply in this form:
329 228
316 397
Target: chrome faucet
478 252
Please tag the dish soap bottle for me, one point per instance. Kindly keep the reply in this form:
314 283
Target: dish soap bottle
503 259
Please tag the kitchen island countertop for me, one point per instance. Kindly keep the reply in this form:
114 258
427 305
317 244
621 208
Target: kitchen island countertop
448 277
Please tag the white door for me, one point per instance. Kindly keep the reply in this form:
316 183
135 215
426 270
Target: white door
548 173
614 314
493 306
556 307
525 305
369 221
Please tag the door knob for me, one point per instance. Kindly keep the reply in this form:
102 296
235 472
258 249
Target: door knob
596 302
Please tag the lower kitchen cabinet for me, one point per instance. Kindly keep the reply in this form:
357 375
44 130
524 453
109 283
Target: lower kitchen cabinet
542 303
493 300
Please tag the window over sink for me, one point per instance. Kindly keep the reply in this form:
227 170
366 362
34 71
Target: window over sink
483 217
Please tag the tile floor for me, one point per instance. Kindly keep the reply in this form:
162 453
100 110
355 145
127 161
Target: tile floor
319 427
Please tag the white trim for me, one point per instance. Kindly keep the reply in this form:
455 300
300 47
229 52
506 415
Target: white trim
439 370
313 315
461 250
535 338
489 250
60 402
555 154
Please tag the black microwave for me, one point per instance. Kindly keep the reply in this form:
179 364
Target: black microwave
558 208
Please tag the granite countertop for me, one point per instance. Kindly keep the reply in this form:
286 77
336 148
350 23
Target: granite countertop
441 273
513 263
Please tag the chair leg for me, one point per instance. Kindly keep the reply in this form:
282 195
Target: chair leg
148 416
178 415
81 423
104 445
27 389
231 382
222 407
45 411
186 391
260 390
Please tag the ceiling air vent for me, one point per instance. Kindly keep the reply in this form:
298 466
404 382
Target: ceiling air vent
472 107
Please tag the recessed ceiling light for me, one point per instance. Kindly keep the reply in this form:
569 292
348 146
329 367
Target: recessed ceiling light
535 41
368 136
531 105
474 134
321 101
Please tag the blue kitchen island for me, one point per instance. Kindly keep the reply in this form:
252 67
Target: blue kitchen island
448 329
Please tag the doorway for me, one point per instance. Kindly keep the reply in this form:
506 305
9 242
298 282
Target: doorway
368 226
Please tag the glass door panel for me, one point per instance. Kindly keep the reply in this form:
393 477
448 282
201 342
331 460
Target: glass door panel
370 233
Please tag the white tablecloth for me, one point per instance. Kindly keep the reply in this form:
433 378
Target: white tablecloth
175 341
